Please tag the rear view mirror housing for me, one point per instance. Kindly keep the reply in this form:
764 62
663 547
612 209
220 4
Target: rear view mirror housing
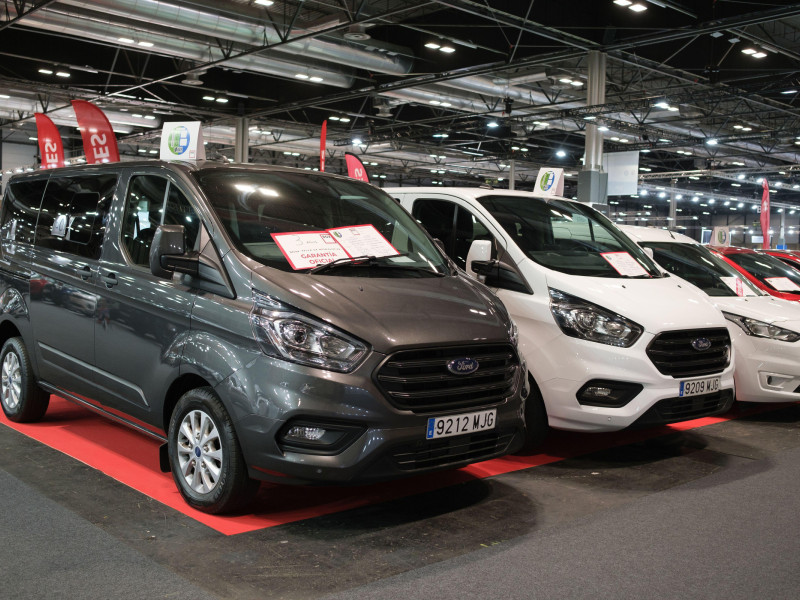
168 253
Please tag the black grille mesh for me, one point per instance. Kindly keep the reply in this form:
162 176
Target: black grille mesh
672 410
458 449
418 380
672 352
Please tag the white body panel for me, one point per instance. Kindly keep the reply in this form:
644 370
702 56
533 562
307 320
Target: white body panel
766 370
560 364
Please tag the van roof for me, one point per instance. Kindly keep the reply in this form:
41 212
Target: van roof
468 192
654 234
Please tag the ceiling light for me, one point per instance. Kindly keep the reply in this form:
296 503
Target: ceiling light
45 71
4 96
146 44
301 76
492 124
623 2
265 2
759 55
356 141
433 45
125 40
565 80
209 98
712 142
62 74
316 79
602 128
447 49
222 100
749 51
589 118
561 154
637 7
344 119
789 92
576 83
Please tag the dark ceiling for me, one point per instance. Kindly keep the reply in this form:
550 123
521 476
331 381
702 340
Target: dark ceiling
677 80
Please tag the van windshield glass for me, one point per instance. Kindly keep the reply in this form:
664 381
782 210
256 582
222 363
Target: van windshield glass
255 207
569 237
700 267
768 270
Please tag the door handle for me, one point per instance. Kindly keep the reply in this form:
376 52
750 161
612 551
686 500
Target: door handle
110 279
85 273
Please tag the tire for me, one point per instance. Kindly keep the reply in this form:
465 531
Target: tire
23 401
536 427
212 476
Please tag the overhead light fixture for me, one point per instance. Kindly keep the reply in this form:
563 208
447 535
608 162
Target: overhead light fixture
492 124
264 2
712 142
222 100
638 7
146 44
62 74
447 49
789 92
125 40
433 45
315 78
623 2
209 98
301 76
561 154
759 55
45 71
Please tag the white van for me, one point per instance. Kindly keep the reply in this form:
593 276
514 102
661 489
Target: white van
610 340
765 330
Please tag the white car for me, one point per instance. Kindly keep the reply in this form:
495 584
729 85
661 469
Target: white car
609 340
765 330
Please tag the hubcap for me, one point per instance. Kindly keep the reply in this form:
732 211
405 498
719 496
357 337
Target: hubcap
199 452
11 384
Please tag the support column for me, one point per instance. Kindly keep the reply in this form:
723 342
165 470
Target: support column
592 181
673 206
241 142
512 173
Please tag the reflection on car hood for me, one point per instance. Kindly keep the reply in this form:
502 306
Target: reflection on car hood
393 313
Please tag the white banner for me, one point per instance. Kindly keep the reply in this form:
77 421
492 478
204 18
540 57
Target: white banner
623 172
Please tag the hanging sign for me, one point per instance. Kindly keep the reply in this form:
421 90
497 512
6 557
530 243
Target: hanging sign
721 236
355 168
549 182
322 136
99 142
765 214
51 147
182 141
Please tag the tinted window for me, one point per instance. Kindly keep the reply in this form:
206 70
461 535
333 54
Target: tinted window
766 269
144 212
567 236
252 205
457 234
74 212
20 209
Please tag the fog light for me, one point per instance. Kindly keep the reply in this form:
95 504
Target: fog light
318 438
611 394
306 434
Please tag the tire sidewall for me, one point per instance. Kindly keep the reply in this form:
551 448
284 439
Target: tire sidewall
9 347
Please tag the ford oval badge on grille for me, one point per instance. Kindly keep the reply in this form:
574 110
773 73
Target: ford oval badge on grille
701 344
462 366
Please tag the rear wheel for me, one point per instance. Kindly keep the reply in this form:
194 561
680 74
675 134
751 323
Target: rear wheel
204 454
23 401
536 427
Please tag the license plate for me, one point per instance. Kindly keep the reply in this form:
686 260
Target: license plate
439 427
699 386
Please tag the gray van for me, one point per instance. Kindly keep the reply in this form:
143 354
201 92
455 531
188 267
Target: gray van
168 297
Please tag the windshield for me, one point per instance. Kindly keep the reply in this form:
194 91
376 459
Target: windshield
700 267
569 237
768 270
296 221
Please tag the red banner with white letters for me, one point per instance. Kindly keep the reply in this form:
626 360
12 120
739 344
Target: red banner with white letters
99 142
355 168
322 136
765 214
51 147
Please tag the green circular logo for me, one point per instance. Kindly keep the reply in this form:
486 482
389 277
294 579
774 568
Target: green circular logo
178 140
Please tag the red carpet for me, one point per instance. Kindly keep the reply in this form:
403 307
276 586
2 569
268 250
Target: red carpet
132 458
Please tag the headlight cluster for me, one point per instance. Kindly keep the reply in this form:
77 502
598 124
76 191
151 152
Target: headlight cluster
762 329
581 319
284 333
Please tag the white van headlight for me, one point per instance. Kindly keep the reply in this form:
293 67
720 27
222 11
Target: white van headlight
762 329
581 319
284 333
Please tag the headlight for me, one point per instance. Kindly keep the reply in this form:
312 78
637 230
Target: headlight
762 329
581 319
284 333
513 333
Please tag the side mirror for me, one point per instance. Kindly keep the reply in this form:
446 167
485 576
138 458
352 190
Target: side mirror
481 251
649 252
168 253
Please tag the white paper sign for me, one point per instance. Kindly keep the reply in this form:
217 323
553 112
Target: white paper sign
307 249
720 236
738 286
624 264
549 182
363 240
182 141
782 284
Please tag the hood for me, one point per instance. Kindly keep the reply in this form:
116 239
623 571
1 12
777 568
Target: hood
768 309
394 313
657 304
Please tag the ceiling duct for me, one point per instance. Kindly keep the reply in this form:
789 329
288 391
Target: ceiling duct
193 78
356 33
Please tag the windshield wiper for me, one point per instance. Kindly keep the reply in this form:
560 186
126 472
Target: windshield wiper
371 261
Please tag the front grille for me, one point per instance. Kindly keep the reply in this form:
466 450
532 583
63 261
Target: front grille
453 450
418 380
672 352
672 410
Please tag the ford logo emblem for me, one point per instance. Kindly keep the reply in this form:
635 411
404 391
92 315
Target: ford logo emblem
701 344
462 366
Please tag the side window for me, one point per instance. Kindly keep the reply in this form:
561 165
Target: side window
153 200
20 209
74 212
437 217
468 229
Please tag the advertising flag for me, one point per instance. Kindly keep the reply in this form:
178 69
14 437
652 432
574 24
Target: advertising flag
50 145
322 145
765 213
355 168
99 142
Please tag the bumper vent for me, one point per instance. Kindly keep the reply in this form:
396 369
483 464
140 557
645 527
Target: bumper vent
452 451
673 410
673 352
419 380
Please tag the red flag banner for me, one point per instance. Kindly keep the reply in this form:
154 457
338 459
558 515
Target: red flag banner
51 147
99 142
355 168
765 214
322 135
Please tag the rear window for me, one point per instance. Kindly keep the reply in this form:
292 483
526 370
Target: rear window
21 208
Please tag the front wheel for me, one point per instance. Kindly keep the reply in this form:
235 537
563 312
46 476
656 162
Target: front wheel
204 454
536 426
23 401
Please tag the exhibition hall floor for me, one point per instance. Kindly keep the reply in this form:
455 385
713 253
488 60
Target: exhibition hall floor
705 509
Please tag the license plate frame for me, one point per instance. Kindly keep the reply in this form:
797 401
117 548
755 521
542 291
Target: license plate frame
697 387
461 424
